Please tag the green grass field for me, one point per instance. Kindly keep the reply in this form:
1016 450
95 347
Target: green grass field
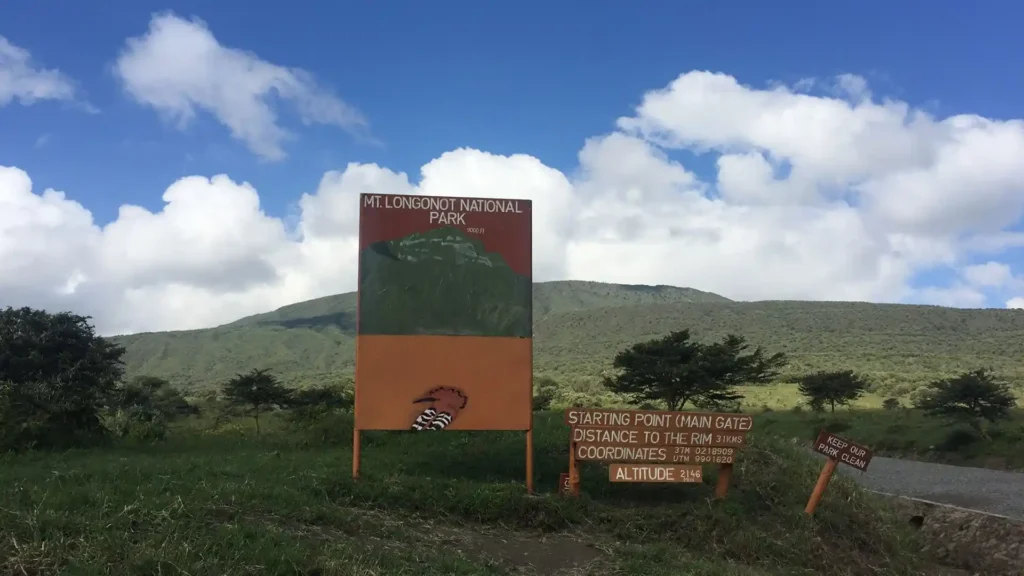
903 433
226 502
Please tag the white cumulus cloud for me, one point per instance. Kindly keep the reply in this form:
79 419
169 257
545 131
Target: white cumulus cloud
24 80
1017 303
178 67
992 274
829 197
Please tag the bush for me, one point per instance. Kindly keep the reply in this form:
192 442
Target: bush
138 424
545 390
310 405
837 427
891 404
957 440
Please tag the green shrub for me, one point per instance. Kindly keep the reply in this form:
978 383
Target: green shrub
891 404
138 424
957 440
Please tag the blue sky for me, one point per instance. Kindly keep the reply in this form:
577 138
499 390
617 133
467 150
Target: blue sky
507 78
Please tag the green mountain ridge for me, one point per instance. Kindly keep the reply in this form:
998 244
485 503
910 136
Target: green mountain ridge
441 282
578 326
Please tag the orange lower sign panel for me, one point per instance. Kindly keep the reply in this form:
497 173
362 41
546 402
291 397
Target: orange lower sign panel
443 383
658 454
654 473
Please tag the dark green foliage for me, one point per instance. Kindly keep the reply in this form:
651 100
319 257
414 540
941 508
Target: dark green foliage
55 378
256 391
545 389
142 408
441 282
832 388
891 404
676 370
958 439
970 397
310 405
154 395
835 427
579 327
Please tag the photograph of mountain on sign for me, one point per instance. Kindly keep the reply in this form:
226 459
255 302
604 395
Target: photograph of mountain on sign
441 281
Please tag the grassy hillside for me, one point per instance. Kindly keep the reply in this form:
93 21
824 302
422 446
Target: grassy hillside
580 325
316 339
898 345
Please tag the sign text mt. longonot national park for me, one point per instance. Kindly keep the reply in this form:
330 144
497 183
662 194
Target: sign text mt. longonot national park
445 314
678 442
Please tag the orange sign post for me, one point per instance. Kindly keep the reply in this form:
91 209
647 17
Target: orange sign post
655 445
564 487
836 450
444 317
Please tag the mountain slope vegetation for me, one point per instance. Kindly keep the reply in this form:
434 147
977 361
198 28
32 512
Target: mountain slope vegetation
578 327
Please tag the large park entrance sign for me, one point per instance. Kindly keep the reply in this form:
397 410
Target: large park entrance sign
444 321
655 446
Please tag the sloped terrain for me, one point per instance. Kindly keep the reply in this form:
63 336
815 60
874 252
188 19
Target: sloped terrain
578 327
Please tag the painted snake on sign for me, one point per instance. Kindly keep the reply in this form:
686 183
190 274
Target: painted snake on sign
445 404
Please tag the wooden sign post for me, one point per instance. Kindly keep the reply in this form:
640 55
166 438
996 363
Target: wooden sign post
564 487
654 445
836 450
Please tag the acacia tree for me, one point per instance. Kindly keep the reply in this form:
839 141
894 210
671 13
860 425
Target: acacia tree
56 375
832 388
676 370
971 397
257 390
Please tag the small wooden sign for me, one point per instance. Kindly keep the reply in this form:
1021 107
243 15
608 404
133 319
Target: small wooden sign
564 488
842 450
654 473
837 450
656 445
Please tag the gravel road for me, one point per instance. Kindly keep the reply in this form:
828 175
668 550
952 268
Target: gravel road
991 491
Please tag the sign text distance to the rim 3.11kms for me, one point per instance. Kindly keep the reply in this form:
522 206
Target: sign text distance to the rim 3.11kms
654 473
843 450
657 437
658 420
